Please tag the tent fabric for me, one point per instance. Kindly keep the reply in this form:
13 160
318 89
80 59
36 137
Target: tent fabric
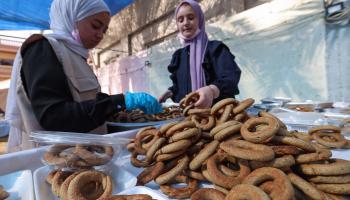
34 14
125 74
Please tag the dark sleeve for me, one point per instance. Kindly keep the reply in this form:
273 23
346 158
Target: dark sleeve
226 69
172 68
47 88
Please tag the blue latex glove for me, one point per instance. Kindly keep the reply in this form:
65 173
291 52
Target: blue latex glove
141 100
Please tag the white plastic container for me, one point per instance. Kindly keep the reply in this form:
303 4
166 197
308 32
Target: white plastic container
145 190
122 180
19 184
78 150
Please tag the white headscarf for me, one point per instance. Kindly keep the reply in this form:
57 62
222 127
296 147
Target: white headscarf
12 113
65 13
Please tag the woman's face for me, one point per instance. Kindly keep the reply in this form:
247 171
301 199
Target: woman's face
187 21
92 28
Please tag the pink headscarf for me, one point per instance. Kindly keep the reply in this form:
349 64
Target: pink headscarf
198 45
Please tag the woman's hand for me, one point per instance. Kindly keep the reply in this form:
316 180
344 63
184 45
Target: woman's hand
206 96
141 100
166 95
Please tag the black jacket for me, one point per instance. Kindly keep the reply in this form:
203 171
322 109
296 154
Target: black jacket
220 69
47 88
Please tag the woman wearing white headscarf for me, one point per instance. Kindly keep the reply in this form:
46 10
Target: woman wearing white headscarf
52 86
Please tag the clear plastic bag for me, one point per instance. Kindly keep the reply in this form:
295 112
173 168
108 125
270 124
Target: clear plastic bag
78 150
279 100
300 121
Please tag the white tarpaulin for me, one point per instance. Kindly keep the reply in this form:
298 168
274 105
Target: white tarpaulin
338 63
127 74
280 47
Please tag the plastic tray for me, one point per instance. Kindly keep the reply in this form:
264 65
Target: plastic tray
301 106
4 128
323 104
122 181
144 123
280 100
145 190
19 184
119 127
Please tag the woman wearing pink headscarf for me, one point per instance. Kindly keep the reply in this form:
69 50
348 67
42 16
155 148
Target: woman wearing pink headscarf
207 67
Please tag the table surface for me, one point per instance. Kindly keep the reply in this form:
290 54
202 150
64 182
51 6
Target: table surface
31 159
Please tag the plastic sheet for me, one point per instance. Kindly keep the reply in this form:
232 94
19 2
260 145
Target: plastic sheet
77 150
34 14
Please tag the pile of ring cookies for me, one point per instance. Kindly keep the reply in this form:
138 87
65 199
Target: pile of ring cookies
75 176
326 136
3 193
244 157
78 156
138 116
86 184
